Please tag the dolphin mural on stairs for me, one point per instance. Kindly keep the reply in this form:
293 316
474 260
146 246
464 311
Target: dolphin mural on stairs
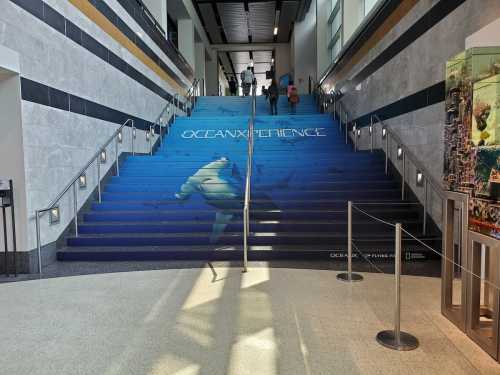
222 191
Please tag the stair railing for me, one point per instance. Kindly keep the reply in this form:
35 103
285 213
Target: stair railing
403 155
246 206
80 181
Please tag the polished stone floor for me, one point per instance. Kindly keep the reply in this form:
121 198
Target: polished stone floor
216 321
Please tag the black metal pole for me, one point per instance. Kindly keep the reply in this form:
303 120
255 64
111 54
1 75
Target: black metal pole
5 241
13 216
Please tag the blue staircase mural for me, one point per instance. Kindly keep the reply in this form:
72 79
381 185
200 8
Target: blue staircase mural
186 201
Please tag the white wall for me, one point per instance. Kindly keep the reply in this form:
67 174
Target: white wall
282 61
199 70
488 36
185 31
323 34
57 143
353 15
304 50
11 144
158 9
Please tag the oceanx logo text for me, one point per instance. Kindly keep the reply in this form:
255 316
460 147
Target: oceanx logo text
260 133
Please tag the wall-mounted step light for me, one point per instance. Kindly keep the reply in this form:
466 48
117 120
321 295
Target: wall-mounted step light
103 156
54 215
82 181
275 31
354 129
147 135
370 129
384 132
134 133
400 152
420 178
359 133
120 137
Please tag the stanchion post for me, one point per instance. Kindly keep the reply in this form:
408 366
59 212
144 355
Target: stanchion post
349 276
38 242
396 339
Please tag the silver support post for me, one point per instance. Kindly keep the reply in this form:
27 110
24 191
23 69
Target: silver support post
334 107
161 138
245 238
395 339
151 136
75 208
38 242
346 127
116 157
386 153
99 178
349 276
355 132
424 228
371 134
132 138
403 177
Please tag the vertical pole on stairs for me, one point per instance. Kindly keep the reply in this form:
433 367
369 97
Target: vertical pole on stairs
395 339
349 276
75 208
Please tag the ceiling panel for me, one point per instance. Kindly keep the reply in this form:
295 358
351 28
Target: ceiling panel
234 21
262 20
210 22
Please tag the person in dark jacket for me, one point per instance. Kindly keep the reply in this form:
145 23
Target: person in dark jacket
273 94
233 87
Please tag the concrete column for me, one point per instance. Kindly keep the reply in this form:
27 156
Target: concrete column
212 77
353 15
158 9
304 50
12 149
199 69
185 30
323 35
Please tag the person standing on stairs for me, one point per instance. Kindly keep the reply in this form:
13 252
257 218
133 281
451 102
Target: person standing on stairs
273 94
233 87
293 98
247 80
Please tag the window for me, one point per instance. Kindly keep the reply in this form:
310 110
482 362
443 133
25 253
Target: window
335 20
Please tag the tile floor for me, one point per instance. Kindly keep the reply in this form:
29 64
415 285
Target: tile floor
203 321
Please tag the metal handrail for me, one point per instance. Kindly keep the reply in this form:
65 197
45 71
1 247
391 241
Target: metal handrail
246 207
408 155
116 136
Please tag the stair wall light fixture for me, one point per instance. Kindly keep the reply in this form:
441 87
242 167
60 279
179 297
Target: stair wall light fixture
420 178
103 156
82 181
384 132
54 215
120 137
400 152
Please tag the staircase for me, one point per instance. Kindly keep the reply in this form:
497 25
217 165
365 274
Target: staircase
185 201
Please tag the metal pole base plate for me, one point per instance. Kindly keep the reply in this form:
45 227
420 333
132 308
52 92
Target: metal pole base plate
345 277
406 341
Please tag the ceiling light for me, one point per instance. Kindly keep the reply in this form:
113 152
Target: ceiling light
275 32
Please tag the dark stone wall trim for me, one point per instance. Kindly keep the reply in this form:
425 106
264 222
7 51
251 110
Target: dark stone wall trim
45 95
435 15
135 9
52 18
421 99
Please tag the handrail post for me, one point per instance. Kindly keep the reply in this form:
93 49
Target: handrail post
75 208
396 339
371 133
346 126
151 136
99 178
132 137
403 177
334 106
116 157
386 152
424 227
38 242
349 276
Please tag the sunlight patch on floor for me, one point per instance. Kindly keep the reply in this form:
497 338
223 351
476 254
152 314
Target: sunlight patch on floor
208 287
255 276
255 354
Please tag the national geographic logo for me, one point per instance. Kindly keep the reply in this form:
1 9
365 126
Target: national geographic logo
408 255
